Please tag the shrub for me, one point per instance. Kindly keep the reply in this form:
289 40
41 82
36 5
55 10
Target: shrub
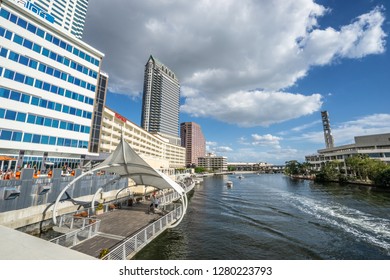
103 252
343 179
383 178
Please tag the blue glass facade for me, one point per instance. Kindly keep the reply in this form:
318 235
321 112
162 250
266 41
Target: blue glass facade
49 37
48 82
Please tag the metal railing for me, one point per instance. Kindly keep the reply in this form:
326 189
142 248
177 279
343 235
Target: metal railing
130 246
73 238
169 197
89 227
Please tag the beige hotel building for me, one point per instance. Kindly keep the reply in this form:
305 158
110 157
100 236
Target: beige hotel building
153 148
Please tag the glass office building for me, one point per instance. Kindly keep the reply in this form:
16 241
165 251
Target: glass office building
160 103
48 80
68 14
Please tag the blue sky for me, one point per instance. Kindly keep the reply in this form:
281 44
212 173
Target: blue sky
255 75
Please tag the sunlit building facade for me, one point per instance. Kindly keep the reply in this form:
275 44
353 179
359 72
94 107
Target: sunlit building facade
153 148
374 146
160 103
193 140
48 82
212 162
67 14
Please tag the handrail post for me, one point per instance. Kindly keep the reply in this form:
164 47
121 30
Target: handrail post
75 239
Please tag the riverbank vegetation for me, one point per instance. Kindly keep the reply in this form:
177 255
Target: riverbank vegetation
355 169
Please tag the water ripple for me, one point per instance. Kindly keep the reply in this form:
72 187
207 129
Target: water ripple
363 226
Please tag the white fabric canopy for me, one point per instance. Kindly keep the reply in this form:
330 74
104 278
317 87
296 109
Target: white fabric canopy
125 162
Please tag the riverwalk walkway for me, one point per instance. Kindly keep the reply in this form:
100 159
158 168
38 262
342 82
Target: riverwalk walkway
115 226
120 232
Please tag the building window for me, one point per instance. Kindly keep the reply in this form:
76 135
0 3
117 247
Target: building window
5 135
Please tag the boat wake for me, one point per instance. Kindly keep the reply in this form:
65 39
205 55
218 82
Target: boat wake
363 226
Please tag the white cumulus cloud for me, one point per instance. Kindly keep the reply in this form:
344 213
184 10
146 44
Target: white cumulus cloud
266 140
223 50
252 108
344 132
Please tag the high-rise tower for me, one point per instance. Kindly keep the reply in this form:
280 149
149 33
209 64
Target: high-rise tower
69 14
327 132
193 140
160 103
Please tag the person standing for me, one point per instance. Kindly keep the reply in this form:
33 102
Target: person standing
153 202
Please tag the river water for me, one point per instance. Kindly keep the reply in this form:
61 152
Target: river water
272 217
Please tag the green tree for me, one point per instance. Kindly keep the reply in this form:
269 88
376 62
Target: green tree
199 169
352 164
329 171
363 167
357 166
383 178
231 168
376 167
292 167
305 168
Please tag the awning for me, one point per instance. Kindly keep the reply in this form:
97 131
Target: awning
6 158
125 162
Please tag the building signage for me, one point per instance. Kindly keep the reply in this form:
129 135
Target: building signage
35 9
123 119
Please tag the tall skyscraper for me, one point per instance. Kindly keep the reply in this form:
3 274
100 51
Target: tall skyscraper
193 140
160 103
327 132
69 14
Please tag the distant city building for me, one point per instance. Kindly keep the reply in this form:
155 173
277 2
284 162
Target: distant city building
160 103
375 146
68 14
193 140
213 162
327 131
153 148
48 81
253 166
